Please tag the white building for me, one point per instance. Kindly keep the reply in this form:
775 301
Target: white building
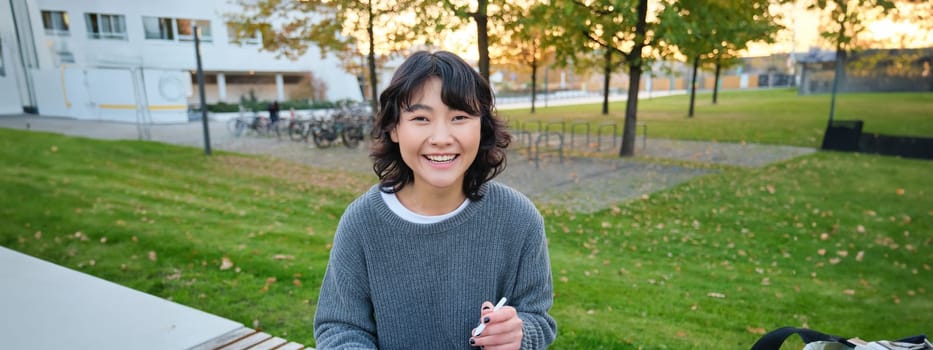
133 60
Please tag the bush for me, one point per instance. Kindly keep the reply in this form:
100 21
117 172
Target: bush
222 107
260 106
322 105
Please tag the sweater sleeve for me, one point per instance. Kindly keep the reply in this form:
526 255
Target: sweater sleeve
534 290
344 316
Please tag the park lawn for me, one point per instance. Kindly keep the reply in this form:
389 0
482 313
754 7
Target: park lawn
775 116
838 242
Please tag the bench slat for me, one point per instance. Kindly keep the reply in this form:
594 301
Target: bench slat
294 346
224 339
269 344
245 343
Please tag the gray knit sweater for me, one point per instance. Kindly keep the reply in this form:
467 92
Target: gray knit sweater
393 284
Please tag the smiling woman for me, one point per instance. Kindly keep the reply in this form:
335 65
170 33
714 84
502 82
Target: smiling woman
435 241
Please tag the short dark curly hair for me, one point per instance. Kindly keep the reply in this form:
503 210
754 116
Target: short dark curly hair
462 88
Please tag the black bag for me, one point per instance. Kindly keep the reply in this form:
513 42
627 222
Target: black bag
821 341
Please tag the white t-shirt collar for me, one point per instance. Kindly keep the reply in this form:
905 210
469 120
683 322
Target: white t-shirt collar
396 206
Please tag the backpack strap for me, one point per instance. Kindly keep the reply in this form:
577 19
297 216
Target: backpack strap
774 339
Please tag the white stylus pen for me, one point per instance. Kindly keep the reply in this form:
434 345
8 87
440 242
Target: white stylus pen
482 326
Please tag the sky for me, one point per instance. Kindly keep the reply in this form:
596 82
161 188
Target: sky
801 34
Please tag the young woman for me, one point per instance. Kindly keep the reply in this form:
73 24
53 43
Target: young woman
418 260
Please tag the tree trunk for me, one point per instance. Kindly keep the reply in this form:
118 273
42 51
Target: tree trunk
534 82
607 73
634 80
482 38
716 83
371 56
693 84
838 77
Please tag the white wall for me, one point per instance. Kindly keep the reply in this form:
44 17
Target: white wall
91 93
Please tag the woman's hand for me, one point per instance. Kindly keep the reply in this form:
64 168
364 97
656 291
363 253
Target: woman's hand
503 329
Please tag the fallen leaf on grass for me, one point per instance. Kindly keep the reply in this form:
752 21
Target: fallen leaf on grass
899 191
152 255
283 257
755 330
225 263
716 295
269 282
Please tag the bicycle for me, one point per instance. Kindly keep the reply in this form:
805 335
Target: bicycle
245 125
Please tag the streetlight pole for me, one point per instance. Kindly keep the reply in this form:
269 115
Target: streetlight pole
197 55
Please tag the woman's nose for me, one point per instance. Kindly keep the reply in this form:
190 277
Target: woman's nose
440 134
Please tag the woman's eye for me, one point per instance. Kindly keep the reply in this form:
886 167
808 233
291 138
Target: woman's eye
462 117
419 119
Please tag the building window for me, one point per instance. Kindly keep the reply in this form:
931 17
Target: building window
104 26
159 28
185 33
175 29
55 22
254 39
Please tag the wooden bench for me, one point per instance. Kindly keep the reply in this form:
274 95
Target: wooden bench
246 338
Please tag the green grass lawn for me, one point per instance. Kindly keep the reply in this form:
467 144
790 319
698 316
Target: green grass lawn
776 116
837 242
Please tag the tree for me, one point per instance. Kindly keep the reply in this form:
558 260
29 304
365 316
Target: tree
288 27
601 32
525 40
713 32
845 24
615 31
480 16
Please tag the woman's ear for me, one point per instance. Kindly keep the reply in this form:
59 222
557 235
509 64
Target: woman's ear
393 135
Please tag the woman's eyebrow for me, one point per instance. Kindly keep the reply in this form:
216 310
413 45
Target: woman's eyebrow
418 106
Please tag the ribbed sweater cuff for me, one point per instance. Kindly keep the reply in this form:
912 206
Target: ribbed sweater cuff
532 336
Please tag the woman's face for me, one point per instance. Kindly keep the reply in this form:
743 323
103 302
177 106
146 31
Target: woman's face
438 143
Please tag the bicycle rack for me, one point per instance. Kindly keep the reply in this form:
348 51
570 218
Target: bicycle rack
546 137
573 128
599 139
540 125
563 126
525 137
